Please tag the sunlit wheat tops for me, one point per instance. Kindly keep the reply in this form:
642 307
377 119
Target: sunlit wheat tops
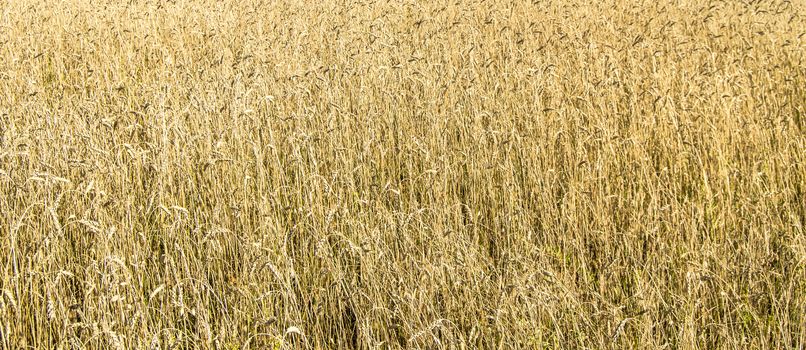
397 174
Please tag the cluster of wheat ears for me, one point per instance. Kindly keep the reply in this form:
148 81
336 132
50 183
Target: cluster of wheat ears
344 174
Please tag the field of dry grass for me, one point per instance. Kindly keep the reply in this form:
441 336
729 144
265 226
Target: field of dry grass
398 174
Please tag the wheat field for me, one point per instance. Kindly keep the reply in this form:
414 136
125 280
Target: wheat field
354 174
